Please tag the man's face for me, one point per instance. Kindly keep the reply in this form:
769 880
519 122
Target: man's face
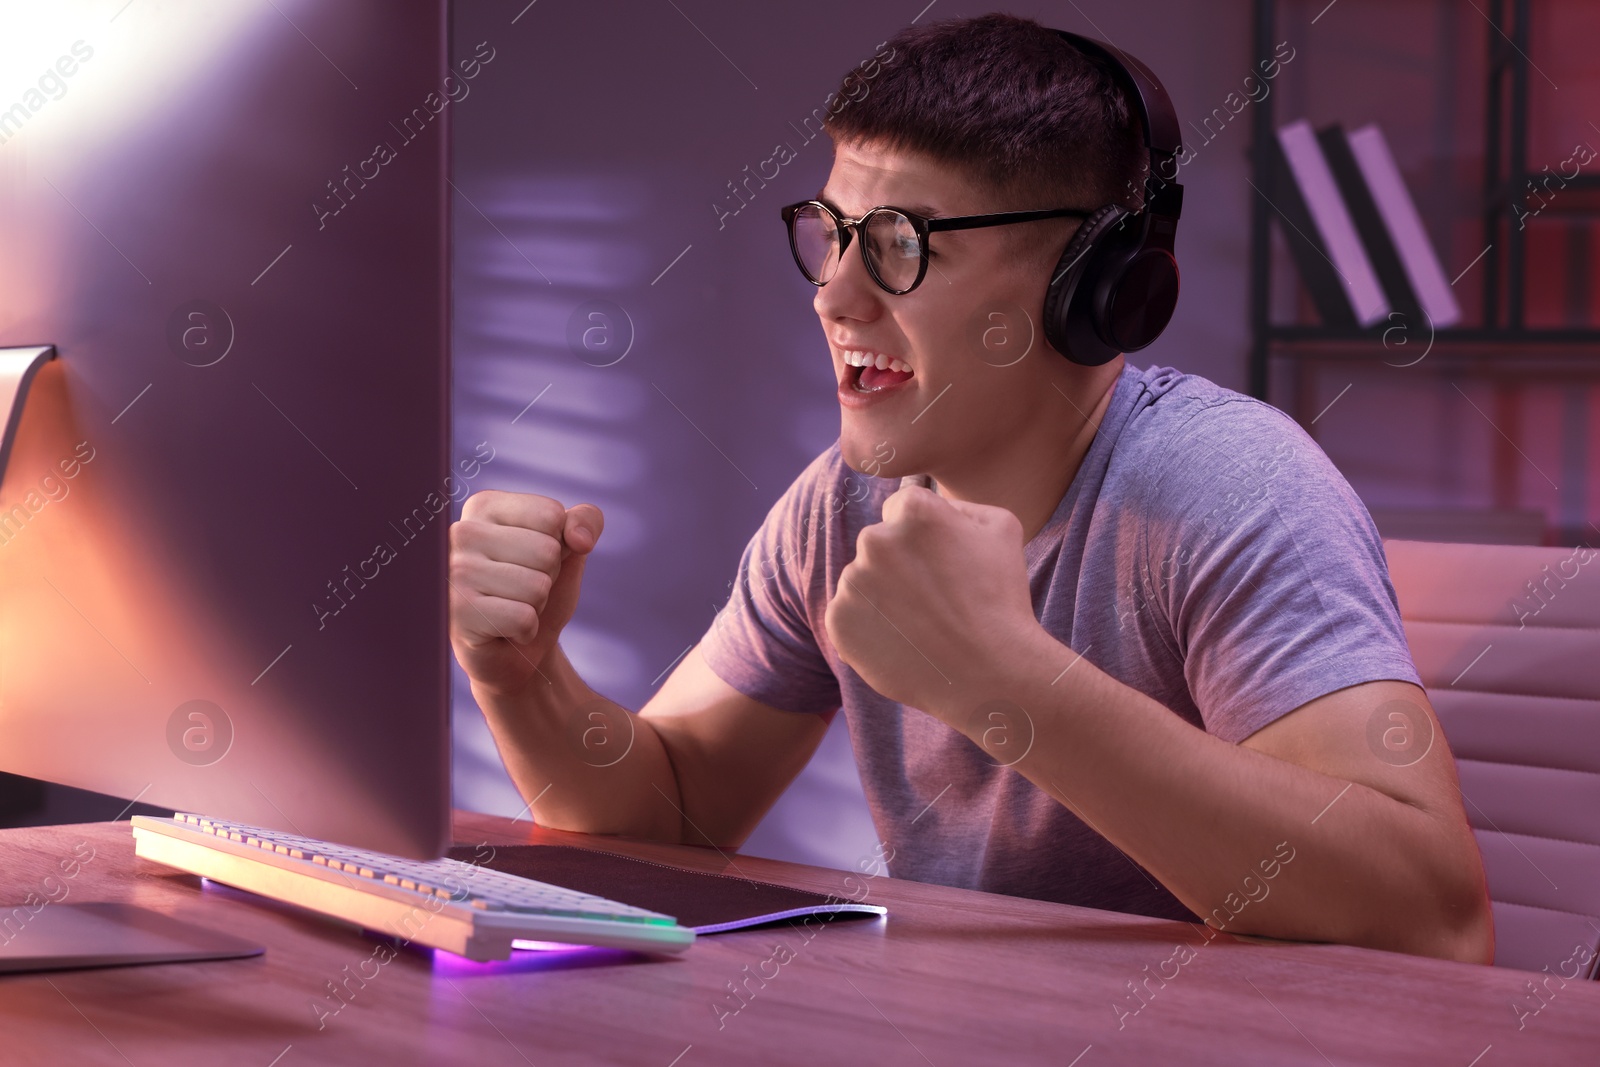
970 333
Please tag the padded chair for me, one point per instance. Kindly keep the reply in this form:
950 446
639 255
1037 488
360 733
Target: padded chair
1507 641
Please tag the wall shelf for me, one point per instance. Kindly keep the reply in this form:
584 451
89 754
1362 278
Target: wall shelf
1502 351
1504 334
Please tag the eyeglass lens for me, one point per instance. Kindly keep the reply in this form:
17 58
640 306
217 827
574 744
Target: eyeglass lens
890 243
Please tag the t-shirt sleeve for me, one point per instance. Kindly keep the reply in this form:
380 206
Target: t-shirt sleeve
762 642
1269 570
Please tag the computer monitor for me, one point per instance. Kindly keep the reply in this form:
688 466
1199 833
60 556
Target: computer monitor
225 506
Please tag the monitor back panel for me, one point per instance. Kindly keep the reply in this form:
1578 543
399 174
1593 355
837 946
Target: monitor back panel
224 521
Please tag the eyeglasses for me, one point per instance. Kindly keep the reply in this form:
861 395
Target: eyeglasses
894 242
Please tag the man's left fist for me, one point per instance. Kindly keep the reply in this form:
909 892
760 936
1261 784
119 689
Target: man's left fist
936 602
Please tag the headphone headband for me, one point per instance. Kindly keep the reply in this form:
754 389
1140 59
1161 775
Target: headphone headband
1158 120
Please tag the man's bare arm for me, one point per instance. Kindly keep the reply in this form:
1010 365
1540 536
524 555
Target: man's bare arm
1300 832
701 763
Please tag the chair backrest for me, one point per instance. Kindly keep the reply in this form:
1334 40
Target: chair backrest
1507 641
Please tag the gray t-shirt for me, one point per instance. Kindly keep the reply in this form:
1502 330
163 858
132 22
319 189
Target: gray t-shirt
1207 553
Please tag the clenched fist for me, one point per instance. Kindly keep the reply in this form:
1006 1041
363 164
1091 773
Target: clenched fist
516 562
934 610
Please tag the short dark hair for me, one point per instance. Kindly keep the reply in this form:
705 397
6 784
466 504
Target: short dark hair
1011 103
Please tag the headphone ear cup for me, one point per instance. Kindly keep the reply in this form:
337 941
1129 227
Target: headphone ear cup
1139 303
1068 298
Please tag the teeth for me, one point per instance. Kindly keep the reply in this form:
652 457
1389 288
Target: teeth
876 359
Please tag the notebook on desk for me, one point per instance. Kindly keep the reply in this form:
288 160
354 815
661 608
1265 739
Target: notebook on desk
706 903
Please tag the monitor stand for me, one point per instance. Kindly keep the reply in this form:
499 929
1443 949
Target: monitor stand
70 936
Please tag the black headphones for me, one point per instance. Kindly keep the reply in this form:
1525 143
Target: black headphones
1116 284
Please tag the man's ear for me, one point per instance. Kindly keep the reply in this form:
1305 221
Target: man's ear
1042 255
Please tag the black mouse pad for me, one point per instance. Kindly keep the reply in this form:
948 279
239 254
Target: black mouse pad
706 903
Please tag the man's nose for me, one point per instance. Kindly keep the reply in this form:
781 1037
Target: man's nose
851 292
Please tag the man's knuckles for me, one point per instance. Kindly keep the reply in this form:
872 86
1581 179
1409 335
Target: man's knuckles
1005 523
897 532
486 577
487 505
527 510
913 504
536 586
508 544
522 623
870 541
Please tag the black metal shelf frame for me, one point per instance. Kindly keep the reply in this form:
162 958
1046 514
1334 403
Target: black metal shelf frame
1505 189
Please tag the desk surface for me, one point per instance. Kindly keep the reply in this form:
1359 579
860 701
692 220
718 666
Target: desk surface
951 977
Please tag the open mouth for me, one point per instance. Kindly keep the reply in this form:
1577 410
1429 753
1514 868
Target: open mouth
873 372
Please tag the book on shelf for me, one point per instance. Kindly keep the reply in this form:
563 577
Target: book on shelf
1322 235
1390 227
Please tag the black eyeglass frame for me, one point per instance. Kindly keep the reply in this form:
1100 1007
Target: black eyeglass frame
846 227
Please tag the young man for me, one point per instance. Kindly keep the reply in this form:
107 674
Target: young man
1120 638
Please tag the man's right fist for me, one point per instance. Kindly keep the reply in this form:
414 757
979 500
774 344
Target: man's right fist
516 561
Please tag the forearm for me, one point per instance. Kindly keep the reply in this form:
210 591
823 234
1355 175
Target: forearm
1210 819
583 762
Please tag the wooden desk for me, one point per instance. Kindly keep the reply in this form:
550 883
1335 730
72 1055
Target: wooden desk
951 977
